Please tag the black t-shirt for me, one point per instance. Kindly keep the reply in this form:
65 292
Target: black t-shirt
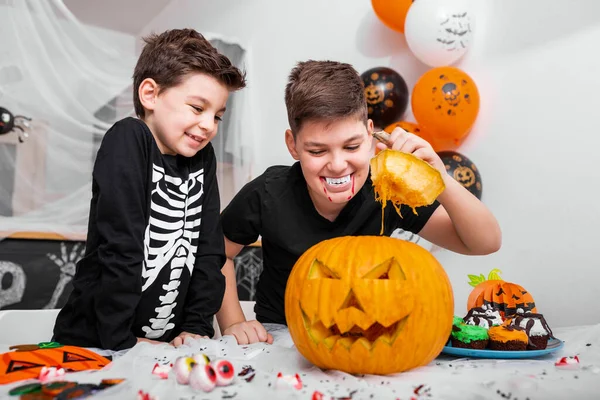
154 249
278 207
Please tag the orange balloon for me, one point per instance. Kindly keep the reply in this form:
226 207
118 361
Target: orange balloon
392 12
445 103
412 128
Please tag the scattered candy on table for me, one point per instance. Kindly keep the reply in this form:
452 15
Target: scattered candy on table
61 389
248 373
287 381
320 396
567 361
145 396
49 373
162 371
201 373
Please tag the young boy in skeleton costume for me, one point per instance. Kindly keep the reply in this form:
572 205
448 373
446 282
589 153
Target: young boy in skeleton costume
328 193
152 269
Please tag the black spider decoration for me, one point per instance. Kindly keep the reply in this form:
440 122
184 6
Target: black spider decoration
10 122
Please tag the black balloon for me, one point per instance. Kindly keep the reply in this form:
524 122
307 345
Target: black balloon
387 95
463 171
7 121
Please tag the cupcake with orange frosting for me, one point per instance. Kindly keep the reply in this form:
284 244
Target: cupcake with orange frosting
535 326
508 338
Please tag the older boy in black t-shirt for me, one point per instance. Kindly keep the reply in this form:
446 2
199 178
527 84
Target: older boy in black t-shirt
328 193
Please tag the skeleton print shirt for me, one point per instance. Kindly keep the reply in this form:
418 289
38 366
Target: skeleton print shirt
154 250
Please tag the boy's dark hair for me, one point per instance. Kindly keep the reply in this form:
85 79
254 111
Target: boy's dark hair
324 91
169 57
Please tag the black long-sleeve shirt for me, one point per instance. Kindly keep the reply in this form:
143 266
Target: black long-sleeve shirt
154 249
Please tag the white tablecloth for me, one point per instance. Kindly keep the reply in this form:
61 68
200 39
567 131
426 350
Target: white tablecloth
444 378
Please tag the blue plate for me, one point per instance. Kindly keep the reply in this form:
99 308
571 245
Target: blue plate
553 345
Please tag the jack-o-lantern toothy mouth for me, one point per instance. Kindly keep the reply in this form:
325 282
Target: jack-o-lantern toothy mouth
331 335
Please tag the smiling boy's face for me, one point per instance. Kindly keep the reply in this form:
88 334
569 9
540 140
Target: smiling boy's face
334 157
184 118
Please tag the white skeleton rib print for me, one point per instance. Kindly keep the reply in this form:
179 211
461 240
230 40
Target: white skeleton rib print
171 239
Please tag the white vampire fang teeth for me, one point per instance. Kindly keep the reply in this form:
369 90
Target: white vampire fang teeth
338 181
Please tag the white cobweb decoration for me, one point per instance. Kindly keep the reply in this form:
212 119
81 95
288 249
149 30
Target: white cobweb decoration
66 76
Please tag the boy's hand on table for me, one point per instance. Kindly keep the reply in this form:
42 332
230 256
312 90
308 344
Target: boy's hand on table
248 332
180 339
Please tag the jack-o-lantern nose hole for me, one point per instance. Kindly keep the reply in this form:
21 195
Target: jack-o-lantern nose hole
351 301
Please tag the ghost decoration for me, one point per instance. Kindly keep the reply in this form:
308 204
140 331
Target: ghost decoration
12 283
439 32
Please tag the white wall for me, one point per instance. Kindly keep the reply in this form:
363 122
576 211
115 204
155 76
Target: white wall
538 73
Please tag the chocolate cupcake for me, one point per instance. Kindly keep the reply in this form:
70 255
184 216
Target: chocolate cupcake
535 326
468 336
484 316
508 338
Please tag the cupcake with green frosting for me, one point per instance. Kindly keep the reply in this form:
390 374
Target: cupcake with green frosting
468 336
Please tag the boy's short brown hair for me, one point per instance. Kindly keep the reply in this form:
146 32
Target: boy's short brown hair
324 91
169 57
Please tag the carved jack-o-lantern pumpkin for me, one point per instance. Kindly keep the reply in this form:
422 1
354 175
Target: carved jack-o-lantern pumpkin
369 305
386 93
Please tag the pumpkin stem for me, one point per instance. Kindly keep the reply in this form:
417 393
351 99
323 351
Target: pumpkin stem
494 275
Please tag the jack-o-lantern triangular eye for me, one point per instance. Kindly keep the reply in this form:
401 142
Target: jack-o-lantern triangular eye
389 269
318 270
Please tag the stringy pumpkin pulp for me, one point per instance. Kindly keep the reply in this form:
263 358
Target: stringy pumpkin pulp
404 179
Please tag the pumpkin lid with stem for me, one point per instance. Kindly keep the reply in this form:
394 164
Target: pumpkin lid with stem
403 178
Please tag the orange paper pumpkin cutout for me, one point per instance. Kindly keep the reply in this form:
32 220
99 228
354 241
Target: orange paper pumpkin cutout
507 297
392 12
27 364
445 103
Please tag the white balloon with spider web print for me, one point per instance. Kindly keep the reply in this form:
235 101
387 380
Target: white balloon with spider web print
439 32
